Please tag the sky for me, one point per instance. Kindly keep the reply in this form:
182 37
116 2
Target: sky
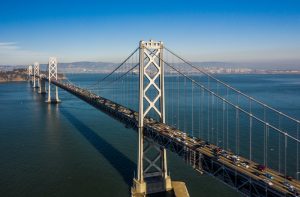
255 31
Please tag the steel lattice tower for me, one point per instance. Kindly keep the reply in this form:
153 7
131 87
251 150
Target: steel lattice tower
52 75
36 73
151 78
30 73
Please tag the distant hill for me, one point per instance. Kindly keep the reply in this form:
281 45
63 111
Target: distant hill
105 67
84 67
72 67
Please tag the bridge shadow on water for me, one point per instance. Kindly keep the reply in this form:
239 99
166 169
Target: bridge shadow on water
117 159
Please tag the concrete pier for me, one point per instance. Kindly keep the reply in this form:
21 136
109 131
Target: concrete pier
179 190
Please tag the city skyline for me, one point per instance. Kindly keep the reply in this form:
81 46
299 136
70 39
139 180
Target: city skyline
258 32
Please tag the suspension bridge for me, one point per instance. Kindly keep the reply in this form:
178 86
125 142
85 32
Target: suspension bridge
177 106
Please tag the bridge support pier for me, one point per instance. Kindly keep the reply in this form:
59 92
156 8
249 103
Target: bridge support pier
52 75
153 177
36 73
42 89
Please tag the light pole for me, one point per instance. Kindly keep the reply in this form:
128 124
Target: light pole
297 175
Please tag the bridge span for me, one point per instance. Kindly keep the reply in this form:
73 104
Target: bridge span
245 177
218 130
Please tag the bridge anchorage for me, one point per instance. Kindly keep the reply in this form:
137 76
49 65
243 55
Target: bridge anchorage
152 176
52 75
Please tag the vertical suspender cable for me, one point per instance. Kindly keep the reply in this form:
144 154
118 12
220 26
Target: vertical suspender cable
223 123
297 166
193 109
131 98
208 129
202 111
212 117
178 99
173 93
200 102
236 131
122 92
238 122
137 84
126 86
227 114
265 143
250 131
113 91
172 97
185 103
267 137
285 152
217 114
279 144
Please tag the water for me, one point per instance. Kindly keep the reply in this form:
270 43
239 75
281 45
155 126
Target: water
71 149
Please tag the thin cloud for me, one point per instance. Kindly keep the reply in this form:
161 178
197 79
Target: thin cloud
8 45
11 53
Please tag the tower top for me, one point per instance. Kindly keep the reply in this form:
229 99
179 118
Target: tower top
151 44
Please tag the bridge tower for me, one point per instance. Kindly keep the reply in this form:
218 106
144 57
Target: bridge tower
42 88
151 177
30 73
52 75
36 73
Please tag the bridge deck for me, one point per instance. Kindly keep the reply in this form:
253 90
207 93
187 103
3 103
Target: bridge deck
248 180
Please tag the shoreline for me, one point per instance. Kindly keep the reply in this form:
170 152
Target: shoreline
7 81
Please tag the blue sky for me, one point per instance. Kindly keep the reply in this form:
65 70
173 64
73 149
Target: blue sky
265 31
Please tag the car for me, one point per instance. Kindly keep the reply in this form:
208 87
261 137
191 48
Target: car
216 151
267 181
245 164
269 176
286 184
291 188
235 157
261 168
223 152
196 139
235 162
